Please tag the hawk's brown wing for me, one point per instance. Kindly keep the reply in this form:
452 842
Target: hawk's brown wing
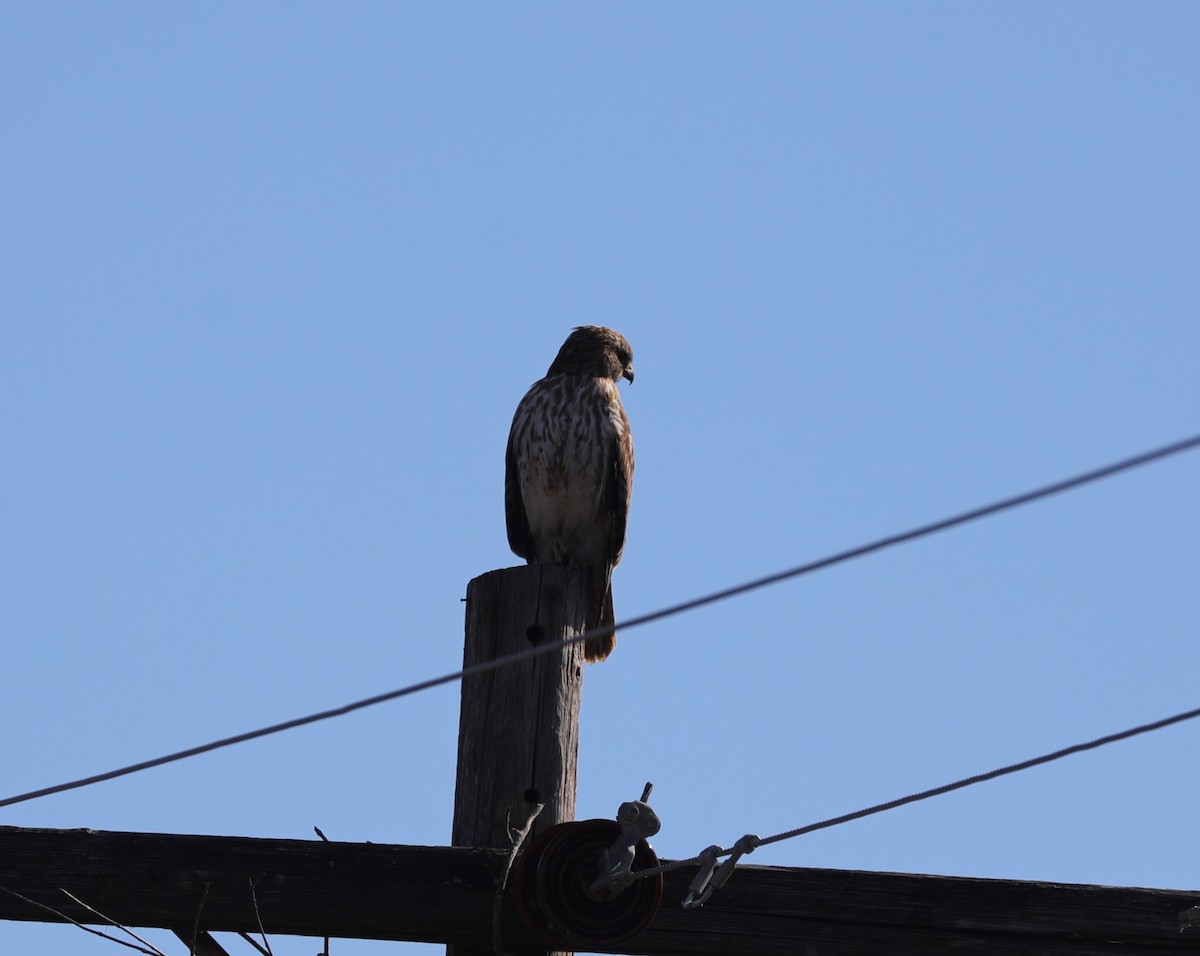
514 505
618 487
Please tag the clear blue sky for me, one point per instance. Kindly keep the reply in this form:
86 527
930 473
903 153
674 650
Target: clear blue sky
276 275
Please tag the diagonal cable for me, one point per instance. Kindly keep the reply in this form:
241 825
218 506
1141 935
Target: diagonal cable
933 791
1006 504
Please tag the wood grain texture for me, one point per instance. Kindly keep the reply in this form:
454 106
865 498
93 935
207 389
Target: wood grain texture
518 738
445 895
518 735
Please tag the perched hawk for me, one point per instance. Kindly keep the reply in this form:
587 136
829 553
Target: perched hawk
569 468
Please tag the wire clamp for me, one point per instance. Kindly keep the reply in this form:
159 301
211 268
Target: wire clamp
638 821
711 877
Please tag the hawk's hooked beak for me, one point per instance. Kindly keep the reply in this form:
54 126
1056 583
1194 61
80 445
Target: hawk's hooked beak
628 373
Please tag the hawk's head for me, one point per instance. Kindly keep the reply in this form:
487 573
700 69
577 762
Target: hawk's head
595 351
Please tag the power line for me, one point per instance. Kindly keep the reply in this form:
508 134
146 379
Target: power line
990 775
1046 491
935 791
965 517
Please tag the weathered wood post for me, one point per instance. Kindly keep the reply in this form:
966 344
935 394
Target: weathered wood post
518 736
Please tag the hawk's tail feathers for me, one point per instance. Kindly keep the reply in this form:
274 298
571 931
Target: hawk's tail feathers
597 648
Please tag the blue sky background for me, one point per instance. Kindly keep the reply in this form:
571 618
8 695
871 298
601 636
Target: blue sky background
276 275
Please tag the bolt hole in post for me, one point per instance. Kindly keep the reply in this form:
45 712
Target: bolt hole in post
535 634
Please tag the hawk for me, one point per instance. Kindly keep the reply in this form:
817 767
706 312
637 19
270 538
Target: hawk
569 468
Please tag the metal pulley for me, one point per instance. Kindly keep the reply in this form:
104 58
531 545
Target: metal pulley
573 887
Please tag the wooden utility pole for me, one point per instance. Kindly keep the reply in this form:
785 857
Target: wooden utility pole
518 735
